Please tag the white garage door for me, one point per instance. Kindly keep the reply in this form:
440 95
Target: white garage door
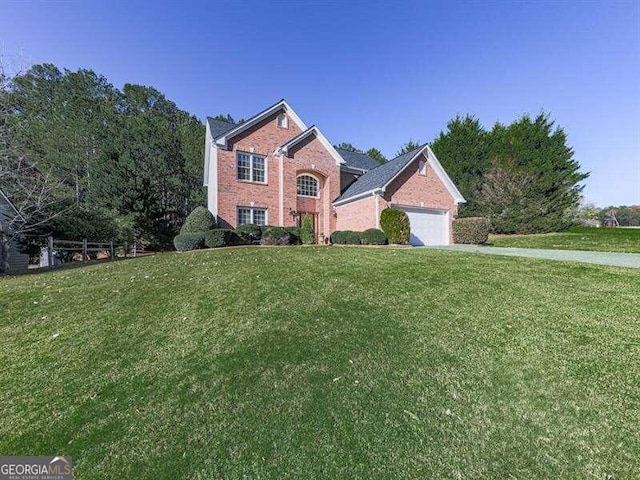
428 227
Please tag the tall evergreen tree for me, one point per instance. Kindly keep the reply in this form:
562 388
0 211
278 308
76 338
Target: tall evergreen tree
407 147
377 155
463 151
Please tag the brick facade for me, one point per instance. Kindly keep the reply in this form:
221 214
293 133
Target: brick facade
278 194
411 188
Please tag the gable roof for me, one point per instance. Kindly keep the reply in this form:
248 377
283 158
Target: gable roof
219 127
239 128
358 160
380 177
312 130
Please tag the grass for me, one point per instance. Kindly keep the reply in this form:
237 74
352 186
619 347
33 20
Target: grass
325 363
577 238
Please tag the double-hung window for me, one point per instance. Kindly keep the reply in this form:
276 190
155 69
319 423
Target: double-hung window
251 168
257 216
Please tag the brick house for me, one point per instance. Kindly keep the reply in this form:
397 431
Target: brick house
273 169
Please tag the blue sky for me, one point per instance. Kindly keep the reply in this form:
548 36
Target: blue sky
370 73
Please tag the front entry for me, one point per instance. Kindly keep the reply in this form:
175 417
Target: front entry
299 217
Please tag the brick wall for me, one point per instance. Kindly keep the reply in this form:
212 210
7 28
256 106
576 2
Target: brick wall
310 156
358 215
412 189
261 139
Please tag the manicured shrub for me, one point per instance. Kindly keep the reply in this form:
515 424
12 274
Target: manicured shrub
395 224
307 234
189 241
249 233
200 220
373 236
473 230
220 237
295 234
276 236
346 237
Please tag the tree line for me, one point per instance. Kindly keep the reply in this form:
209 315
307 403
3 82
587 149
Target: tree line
81 158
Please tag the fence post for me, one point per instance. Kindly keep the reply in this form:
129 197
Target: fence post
50 251
134 249
126 249
112 252
84 249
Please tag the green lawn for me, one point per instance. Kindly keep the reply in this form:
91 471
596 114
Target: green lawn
325 362
577 238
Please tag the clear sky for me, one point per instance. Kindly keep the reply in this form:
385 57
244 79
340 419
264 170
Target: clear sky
370 73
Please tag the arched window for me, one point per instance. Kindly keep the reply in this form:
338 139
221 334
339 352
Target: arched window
307 186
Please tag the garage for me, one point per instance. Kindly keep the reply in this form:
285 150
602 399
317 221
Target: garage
428 227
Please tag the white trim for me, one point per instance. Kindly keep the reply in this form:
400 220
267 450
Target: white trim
360 196
282 104
208 142
281 189
212 182
284 149
378 212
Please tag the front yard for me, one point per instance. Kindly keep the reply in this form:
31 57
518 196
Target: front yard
324 362
577 238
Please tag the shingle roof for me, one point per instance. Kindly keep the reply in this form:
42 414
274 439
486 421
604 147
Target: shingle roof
379 176
361 161
219 127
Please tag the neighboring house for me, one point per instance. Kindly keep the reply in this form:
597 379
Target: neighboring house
11 259
273 169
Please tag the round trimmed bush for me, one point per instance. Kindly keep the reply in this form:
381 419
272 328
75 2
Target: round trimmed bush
346 237
220 237
249 233
395 224
295 234
276 236
373 236
200 220
471 230
189 241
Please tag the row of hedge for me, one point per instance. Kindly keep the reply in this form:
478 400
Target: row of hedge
243 235
373 236
199 231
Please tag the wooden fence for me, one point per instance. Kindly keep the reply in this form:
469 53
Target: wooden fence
84 248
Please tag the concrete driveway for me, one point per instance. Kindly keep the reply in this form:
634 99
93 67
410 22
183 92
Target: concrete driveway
614 259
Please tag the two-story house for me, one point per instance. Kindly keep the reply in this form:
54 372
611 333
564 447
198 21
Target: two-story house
272 169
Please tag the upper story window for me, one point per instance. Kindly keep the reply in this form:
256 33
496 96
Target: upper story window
307 186
283 122
251 168
422 169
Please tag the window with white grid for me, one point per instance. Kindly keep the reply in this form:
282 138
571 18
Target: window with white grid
251 168
307 186
256 216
